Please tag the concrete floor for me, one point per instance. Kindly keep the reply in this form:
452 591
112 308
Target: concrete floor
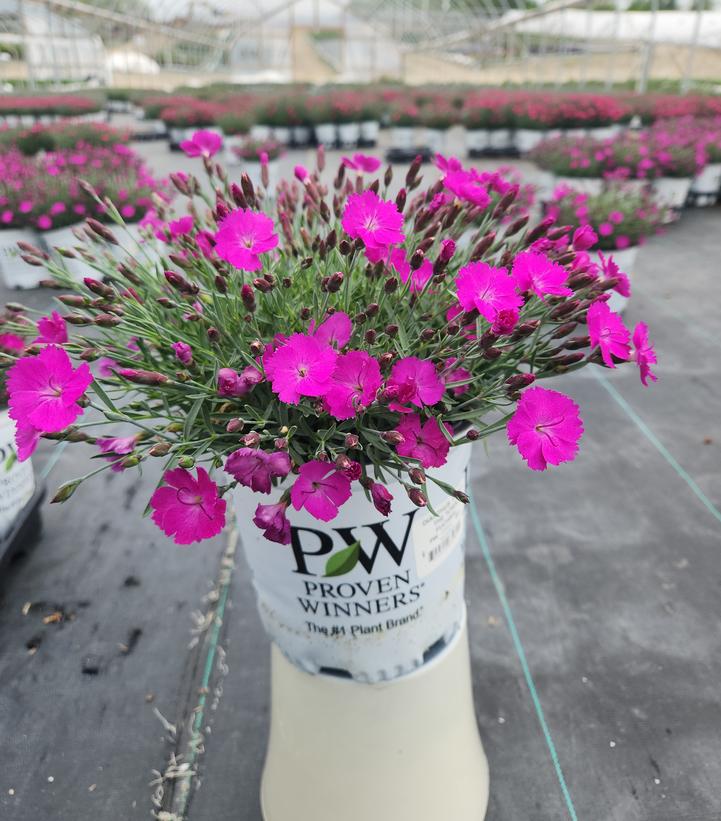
608 570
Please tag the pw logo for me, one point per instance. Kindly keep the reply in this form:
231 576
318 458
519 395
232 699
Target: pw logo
308 543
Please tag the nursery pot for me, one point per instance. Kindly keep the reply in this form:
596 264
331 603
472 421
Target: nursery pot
17 481
260 132
326 134
672 192
349 134
282 134
435 140
15 271
477 139
604 132
528 138
301 134
574 133
500 139
584 185
403 137
369 131
707 183
626 261
229 143
371 688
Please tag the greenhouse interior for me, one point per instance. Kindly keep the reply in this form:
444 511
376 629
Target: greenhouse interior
269 271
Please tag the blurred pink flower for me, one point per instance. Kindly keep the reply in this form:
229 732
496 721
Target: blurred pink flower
202 144
644 353
272 520
607 331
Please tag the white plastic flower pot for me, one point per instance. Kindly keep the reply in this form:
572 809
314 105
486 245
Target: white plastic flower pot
500 139
17 480
603 132
326 134
707 184
16 273
282 134
574 133
155 127
371 679
403 138
369 131
671 192
528 138
253 170
399 595
626 261
584 185
435 140
176 136
477 139
260 132
64 238
554 133
349 134
301 134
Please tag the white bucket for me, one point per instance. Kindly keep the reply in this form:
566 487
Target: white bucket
528 138
301 134
369 131
403 138
260 132
671 192
435 140
708 181
477 139
349 134
584 185
326 134
402 597
500 139
282 134
17 481
15 271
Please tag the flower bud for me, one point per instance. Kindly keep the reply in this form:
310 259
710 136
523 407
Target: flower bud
345 247
385 359
393 437
247 296
505 202
401 199
213 334
579 281
238 196
416 496
417 476
564 308
483 245
412 179
564 330
524 329
492 353
472 435
235 426
390 285
370 336
417 259
160 449
65 491
577 342
391 330
516 226
251 440
186 462
141 377
262 285
335 281
388 176
180 283
107 320
539 230
351 441
520 380
247 186
101 230
74 300
461 496
257 347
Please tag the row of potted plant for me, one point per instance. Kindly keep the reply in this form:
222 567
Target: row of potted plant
44 200
63 134
24 110
671 156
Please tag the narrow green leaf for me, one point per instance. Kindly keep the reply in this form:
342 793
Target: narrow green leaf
191 417
103 396
343 561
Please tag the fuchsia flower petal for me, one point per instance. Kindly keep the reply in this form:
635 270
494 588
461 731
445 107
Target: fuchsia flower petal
321 489
487 289
43 390
376 222
52 330
382 498
115 448
611 271
362 163
183 352
426 442
356 379
644 353
186 508
469 186
12 343
202 144
335 331
272 520
536 272
416 381
242 236
300 366
545 428
256 468
606 329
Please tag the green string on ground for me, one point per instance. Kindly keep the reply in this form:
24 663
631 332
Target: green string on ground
520 652
656 442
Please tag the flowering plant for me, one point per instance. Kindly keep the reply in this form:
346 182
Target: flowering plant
64 105
197 113
351 338
620 218
235 122
253 150
64 134
571 156
439 114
